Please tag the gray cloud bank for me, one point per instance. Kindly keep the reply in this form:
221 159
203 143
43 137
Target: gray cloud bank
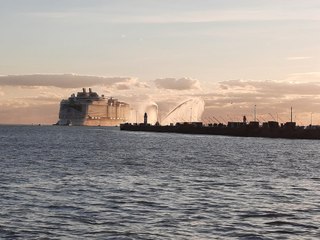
42 113
177 84
66 81
271 88
236 98
233 97
78 81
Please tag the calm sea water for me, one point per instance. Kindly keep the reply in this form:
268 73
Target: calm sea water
103 183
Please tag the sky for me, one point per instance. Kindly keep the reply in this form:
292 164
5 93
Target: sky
233 53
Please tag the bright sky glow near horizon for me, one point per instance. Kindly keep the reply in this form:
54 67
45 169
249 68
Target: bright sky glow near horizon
233 53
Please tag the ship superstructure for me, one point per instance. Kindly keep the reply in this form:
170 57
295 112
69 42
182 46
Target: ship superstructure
90 109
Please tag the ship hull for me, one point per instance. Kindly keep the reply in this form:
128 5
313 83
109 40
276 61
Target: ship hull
91 122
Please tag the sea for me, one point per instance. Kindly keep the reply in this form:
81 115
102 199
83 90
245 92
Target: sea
103 183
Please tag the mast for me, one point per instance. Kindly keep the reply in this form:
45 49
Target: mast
291 114
136 117
255 113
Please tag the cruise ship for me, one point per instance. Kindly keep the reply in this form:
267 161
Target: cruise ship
90 109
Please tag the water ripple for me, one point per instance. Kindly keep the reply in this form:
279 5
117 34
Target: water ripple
101 183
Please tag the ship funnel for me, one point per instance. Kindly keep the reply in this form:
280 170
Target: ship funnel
90 91
83 90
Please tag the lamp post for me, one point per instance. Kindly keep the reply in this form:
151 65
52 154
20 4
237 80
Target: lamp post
136 117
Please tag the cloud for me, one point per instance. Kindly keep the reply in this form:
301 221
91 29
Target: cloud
130 83
65 80
122 86
224 16
42 100
154 15
177 84
27 114
234 98
298 58
270 88
304 77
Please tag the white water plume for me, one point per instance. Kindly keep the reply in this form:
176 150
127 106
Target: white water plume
152 111
137 114
188 111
